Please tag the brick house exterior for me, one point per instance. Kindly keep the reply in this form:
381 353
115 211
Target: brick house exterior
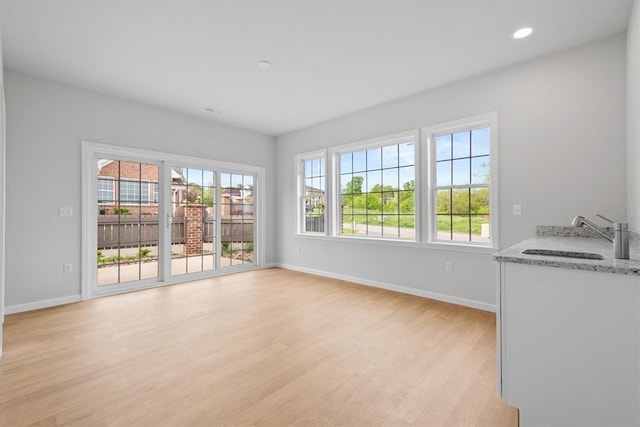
114 174
134 186
234 201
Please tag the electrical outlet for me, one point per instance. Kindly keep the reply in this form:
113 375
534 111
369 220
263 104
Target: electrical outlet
67 268
299 248
517 210
448 267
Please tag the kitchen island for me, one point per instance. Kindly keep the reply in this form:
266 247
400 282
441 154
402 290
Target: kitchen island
568 330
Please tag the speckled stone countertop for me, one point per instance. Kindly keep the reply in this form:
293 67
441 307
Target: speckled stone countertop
571 239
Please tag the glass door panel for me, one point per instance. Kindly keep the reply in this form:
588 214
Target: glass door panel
237 219
127 221
193 228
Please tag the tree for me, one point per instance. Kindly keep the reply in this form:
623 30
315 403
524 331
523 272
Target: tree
373 202
208 197
460 201
407 197
352 190
407 202
194 193
444 202
359 202
480 201
354 186
481 174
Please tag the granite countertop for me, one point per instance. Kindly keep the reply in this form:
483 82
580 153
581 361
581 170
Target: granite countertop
569 239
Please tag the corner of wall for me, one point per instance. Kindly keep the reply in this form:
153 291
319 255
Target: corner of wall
2 192
633 110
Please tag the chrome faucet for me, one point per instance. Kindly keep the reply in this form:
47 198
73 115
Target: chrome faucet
620 238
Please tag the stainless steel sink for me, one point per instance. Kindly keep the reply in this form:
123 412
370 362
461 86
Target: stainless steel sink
564 254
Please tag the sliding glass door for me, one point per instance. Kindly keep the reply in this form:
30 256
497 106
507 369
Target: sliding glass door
127 221
193 220
154 220
237 219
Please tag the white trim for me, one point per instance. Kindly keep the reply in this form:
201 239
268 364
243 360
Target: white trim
428 133
440 246
420 202
301 187
36 305
165 218
402 289
412 135
89 240
91 151
259 211
125 287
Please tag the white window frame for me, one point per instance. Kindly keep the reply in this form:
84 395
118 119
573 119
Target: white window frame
425 206
91 152
300 159
489 120
397 138
112 180
143 183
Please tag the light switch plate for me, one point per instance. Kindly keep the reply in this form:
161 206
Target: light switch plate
65 211
448 267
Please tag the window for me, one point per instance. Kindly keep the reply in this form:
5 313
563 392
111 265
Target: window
105 190
377 188
311 193
134 192
461 183
436 185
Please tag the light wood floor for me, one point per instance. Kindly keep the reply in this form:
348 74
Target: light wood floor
270 347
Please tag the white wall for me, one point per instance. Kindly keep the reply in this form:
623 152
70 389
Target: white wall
45 124
633 120
2 191
562 152
633 115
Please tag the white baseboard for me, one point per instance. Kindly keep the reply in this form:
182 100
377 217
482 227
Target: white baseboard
36 305
403 289
19 308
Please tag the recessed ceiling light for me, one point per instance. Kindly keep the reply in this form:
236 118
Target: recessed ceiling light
523 32
212 110
264 64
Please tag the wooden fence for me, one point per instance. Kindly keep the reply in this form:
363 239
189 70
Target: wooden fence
314 223
131 231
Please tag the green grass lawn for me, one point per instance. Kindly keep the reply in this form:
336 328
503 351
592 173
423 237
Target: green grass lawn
459 224
364 216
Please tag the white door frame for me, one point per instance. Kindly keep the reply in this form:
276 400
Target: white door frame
91 151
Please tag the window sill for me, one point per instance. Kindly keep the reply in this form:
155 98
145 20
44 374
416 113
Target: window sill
456 247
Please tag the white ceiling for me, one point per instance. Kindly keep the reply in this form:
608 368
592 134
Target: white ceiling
330 58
